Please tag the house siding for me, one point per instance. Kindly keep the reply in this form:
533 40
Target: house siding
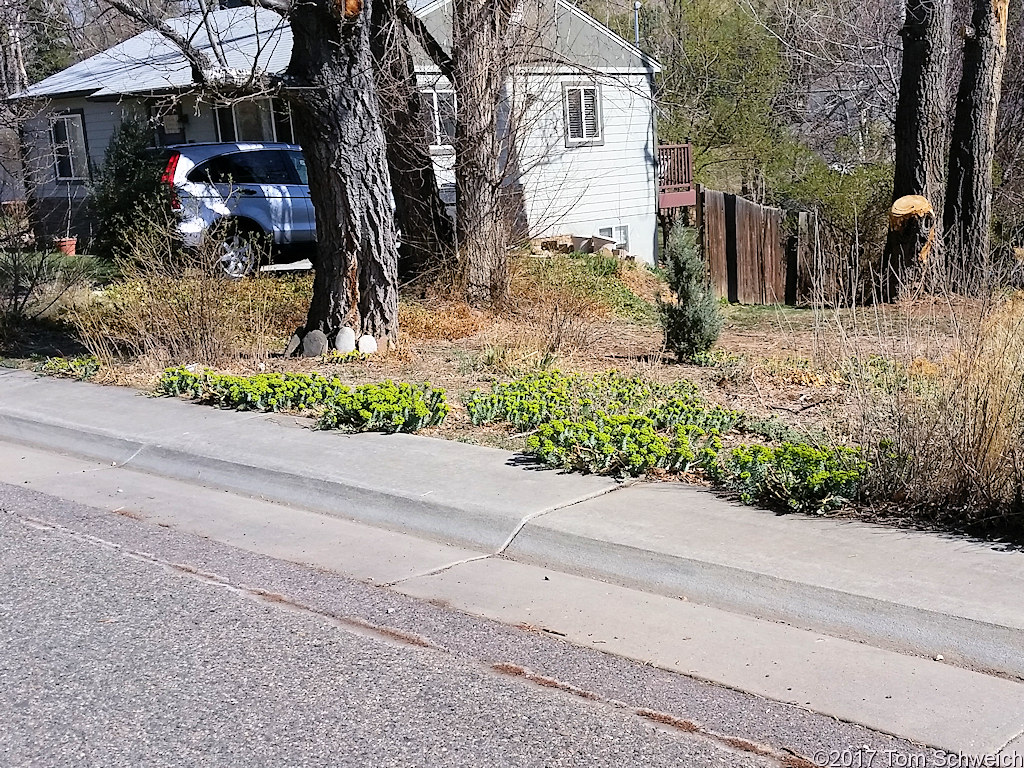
581 189
574 190
59 206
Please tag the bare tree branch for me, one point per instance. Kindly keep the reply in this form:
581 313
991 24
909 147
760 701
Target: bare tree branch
282 7
199 61
426 40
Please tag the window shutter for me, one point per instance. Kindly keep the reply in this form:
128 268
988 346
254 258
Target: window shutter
591 126
582 113
574 113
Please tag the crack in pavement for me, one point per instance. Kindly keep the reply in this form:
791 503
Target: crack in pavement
1010 741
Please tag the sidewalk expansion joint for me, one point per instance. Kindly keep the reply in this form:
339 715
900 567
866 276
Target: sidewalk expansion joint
534 515
501 550
436 571
129 460
1008 743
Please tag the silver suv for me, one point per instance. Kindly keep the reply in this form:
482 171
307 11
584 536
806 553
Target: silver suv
240 193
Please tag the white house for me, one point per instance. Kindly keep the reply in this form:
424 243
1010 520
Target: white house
585 151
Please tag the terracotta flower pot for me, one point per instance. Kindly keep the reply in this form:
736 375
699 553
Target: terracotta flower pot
66 245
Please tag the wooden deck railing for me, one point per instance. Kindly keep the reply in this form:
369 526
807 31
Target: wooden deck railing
675 176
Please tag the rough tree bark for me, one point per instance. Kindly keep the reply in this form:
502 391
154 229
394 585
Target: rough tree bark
478 76
427 233
921 136
968 207
330 85
337 121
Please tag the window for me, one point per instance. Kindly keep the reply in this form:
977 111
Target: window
260 167
299 162
582 114
283 129
70 158
619 234
256 120
440 107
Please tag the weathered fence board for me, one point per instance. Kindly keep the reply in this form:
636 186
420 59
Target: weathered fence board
745 248
711 220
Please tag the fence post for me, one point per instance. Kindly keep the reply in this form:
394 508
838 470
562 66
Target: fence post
701 234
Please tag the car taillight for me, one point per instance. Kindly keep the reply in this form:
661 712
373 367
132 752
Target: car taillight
167 177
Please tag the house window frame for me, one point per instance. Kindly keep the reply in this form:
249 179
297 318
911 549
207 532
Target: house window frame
435 115
617 232
64 115
234 123
583 141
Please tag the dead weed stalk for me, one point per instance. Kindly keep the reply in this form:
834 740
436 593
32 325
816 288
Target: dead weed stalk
937 401
173 305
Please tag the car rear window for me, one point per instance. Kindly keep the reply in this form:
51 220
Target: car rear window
265 166
299 162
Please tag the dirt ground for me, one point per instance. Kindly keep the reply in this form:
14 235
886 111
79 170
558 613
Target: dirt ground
770 360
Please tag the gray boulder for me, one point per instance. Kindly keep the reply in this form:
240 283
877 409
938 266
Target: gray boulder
314 344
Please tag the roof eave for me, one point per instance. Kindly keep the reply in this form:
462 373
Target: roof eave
28 95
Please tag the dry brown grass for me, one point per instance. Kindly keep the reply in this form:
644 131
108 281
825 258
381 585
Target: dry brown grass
436 318
173 306
936 397
643 282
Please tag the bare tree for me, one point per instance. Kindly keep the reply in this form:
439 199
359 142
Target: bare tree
427 233
338 123
478 68
968 207
13 74
332 91
921 138
478 75
841 73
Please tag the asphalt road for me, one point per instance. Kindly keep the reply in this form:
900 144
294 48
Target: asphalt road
124 644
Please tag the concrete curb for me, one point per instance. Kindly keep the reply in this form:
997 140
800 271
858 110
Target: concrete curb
481 501
251 455
982 646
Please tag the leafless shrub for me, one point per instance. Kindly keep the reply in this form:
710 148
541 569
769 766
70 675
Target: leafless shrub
173 305
33 283
569 323
937 402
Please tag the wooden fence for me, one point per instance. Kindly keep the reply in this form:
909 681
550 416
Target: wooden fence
752 256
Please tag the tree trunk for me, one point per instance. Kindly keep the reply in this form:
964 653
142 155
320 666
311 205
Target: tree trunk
337 121
482 229
968 209
921 114
427 232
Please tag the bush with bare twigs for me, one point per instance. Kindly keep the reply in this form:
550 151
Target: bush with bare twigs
174 306
33 284
939 409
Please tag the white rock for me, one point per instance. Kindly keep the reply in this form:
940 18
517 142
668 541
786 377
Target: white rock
367 345
345 341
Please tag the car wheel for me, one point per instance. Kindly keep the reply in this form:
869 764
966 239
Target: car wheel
238 250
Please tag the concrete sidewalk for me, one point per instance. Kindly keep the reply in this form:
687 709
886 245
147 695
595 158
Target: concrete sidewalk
904 592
